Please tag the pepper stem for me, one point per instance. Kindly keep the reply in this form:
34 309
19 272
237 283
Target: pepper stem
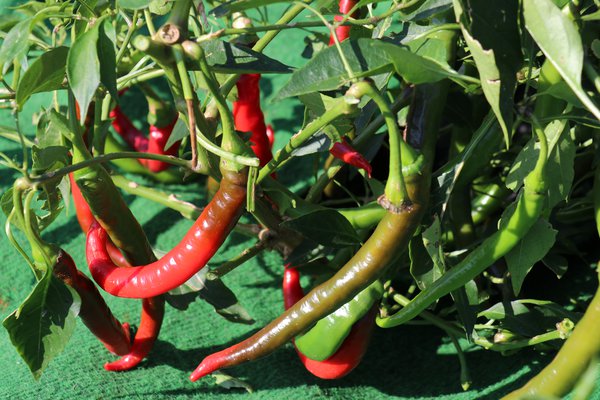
396 195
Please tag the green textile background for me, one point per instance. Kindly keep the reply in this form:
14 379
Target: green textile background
407 362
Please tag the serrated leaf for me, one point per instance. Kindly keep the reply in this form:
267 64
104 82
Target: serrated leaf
16 43
325 227
49 158
42 326
493 38
531 249
45 74
557 36
107 57
134 4
83 69
230 58
326 71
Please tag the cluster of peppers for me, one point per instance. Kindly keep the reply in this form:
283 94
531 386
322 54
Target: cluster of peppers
331 325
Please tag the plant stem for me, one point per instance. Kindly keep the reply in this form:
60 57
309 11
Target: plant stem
59 173
235 262
315 191
340 108
132 28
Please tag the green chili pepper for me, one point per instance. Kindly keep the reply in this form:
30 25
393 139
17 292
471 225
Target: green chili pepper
325 338
527 210
488 202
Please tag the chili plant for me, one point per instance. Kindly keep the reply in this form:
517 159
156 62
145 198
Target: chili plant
445 170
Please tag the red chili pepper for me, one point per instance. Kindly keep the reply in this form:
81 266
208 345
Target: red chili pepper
350 353
270 135
248 116
345 152
86 218
343 32
153 311
132 135
94 311
189 256
159 136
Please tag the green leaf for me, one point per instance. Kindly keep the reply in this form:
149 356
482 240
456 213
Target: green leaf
230 58
325 71
179 132
557 36
214 292
16 43
6 202
229 382
42 326
531 249
49 158
83 69
426 9
134 4
492 35
432 242
423 62
468 163
325 227
45 74
560 167
160 7
107 57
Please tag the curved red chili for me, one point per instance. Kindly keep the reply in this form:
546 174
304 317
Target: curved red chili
189 256
345 152
248 116
125 128
94 312
86 218
352 350
153 311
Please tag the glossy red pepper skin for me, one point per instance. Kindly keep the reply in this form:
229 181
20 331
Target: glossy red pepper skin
154 143
343 32
125 128
348 154
189 256
153 311
270 135
248 116
86 218
159 136
94 312
352 350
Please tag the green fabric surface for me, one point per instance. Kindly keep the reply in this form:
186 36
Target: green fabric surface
407 362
